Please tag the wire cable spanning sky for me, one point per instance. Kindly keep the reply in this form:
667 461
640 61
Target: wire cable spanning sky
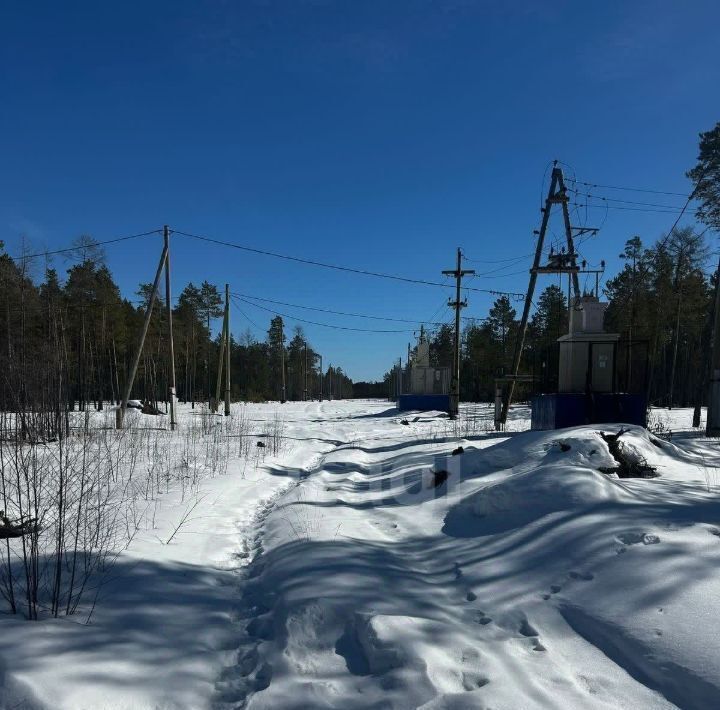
375 136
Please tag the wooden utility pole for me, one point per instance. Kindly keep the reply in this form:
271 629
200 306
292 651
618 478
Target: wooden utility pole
713 412
120 415
678 289
557 194
227 350
224 356
321 378
305 378
457 304
398 380
221 364
207 363
282 361
171 345
629 359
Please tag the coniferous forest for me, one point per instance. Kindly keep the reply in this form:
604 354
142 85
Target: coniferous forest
70 335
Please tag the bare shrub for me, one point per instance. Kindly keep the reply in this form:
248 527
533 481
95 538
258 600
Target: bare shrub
85 495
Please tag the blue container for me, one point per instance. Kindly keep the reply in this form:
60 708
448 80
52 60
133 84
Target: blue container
558 411
424 402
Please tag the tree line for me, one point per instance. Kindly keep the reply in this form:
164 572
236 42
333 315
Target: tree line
69 342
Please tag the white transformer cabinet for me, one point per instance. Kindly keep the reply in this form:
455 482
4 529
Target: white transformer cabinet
587 352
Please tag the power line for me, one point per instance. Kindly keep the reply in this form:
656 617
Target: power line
629 189
497 261
514 259
338 313
336 267
89 245
627 202
487 274
63 305
631 209
687 202
247 317
441 308
324 325
496 271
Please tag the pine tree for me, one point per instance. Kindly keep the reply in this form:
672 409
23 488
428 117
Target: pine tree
501 321
706 178
276 346
442 346
209 305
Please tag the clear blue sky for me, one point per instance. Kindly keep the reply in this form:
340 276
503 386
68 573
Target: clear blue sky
380 135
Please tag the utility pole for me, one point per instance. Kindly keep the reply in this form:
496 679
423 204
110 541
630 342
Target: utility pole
457 304
282 361
398 380
629 359
713 412
224 357
220 368
171 345
221 361
227 350
305 379
120 415
678 290
207 364
321 378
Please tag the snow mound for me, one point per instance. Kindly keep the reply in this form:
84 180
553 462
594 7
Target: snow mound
546 490
566 478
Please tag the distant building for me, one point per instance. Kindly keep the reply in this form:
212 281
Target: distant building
429 385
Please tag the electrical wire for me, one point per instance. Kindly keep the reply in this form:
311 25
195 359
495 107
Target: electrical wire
503 275
443 305
629 189
498 261
324 325
63 305
338 313
627 202
509 265
336 267
86 246
631 209
687 202
247 317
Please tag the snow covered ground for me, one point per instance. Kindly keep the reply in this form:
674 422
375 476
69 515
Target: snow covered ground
365 566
